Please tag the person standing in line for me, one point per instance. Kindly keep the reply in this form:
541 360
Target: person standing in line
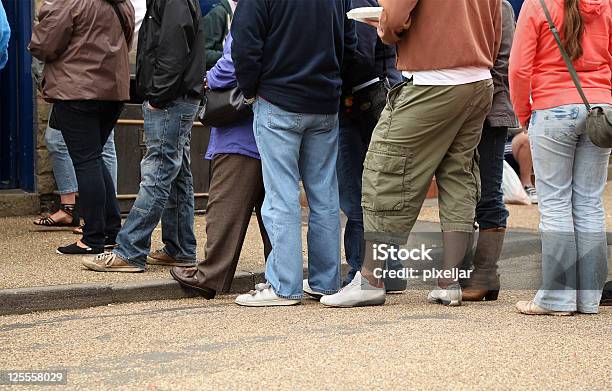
431 125
63 169
85 46
66 180
374 71
570 170
170 68
491 212
236 188
288 57
5 36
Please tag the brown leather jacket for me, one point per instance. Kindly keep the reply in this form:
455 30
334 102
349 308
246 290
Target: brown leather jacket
84 49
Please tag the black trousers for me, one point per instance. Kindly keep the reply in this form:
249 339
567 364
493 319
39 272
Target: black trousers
86 126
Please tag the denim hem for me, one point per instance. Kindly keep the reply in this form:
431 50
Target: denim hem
289 297
485 226
326 292
457 227
133 262
194 259
555 307
69 191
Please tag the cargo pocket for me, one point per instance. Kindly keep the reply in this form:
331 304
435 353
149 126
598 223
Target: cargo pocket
385 186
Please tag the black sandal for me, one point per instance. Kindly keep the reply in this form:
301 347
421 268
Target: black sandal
69 209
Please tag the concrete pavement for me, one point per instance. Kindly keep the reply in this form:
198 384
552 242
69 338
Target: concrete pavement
194 344
35 278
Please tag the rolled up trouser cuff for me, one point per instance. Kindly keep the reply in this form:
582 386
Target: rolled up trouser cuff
457 227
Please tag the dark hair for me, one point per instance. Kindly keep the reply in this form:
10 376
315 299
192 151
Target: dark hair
573 28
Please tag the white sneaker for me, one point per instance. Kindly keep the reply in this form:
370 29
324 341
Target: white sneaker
451 296
310 292
357 293
263 296
532 194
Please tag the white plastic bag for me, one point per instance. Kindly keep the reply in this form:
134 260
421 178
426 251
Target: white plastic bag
514 193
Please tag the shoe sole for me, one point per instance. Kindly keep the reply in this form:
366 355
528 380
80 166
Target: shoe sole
399 292
361 304
314 295
202 292
448 303
273 303
554 313
153 261
82 254
124 269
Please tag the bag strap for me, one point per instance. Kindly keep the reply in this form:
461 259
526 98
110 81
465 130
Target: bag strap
122 22
566 58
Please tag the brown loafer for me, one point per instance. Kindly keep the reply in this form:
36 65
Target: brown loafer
188 277
162 258
110 262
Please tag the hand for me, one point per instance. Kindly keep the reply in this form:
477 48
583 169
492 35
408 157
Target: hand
150 107
372 22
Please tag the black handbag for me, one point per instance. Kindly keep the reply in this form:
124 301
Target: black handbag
223 107
599 119
365 106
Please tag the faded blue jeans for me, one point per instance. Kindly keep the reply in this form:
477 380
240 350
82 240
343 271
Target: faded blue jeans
63 170
571 173
166 187
296 146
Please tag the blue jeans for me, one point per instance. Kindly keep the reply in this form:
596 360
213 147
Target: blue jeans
571 173
294 146
491 211
63 170
351 154
166 187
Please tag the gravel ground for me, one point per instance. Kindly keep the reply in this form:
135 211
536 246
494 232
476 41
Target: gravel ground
194 344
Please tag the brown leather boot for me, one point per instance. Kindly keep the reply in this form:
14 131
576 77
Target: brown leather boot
484 283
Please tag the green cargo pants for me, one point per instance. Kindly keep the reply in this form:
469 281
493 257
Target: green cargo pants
425 131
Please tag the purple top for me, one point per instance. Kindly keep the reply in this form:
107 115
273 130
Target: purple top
237 138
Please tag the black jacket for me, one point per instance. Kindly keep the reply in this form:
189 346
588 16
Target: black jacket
371 57
216 29
290 52
171 61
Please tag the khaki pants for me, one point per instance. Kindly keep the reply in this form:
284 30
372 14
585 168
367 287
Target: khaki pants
425 131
